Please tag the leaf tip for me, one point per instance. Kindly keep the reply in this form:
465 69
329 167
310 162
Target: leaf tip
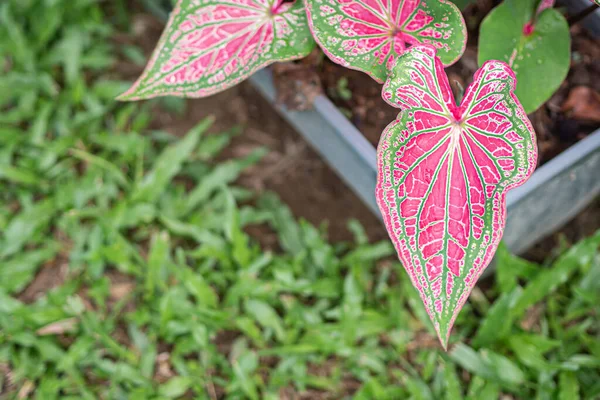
444 345
443 334
130 94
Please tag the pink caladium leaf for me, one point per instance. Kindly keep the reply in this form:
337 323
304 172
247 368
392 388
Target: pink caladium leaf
211 45
368 35
443 174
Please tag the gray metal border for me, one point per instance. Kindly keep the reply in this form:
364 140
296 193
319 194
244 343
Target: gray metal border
333 136
555 193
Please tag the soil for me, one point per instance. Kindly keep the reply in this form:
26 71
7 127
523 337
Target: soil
568 116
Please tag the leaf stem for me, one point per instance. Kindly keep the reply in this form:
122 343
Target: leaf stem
574 19
276 6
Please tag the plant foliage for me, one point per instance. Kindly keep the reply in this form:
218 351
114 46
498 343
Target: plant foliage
158 291
443 174
369 35
210 46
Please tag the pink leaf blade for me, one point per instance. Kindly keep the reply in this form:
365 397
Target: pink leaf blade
545 4
208 48
368 35
443 174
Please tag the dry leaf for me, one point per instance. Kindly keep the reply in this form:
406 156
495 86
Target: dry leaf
583 103
58 327
120 290
25 390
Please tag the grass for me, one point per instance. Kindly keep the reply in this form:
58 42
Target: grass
126 271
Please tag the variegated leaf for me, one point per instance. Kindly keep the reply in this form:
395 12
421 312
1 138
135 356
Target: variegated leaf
368 35
443 174
211 45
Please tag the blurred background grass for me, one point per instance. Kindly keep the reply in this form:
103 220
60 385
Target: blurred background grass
127 270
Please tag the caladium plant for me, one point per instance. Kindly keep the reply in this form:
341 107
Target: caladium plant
443 173
212 45
443 169
533 38
368 35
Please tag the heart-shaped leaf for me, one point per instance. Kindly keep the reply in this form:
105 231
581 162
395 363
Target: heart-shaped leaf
368 35
212 45
535 43
443 174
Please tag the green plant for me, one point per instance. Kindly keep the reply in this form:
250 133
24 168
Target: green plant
126 269
370 36
530 36
208 48
443 173
536 44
